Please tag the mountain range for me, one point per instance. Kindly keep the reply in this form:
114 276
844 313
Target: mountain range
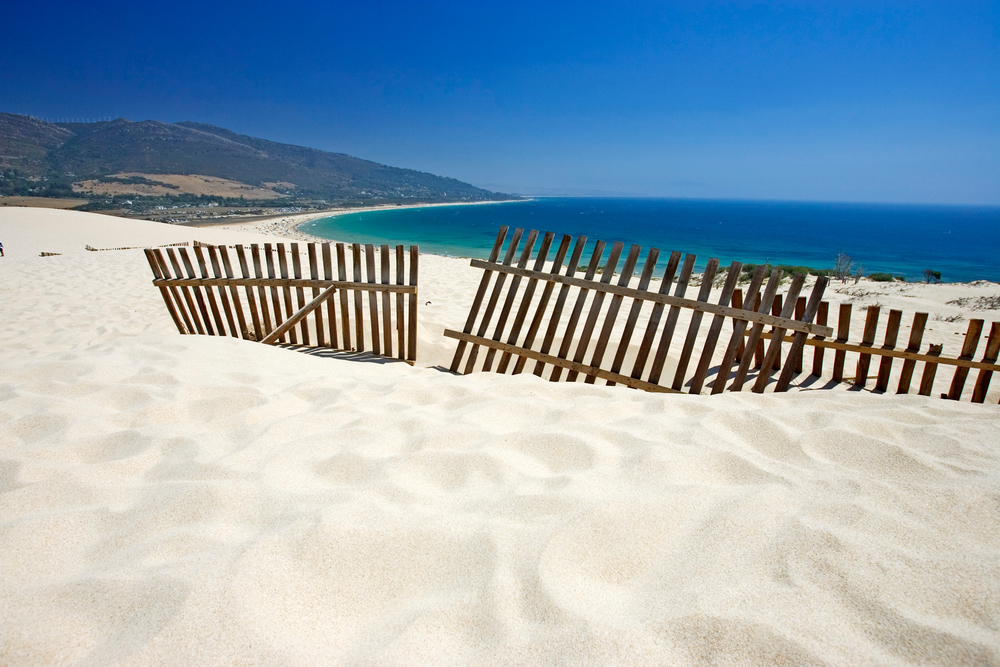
154 158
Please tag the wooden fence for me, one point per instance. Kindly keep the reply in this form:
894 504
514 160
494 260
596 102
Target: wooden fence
167 245
268 301
561 349
530 320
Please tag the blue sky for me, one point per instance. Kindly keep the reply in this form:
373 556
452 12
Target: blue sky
868 101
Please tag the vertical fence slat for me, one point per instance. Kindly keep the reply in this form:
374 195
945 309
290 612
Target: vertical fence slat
279 315
220 326
400 312
916 336
359 309
529 293
581 298
667 336
737 343
265 310
633 316
189 298
800 311
411 348
314 275
248 291
653 324
550 331
990 357
198 296
930 370
715 329
806 315
703 294
843 331
515 282
491 304
777 336
213 255
612 315
969 347
477 302
750 347
372 299
386 301
345 309
331 304
300 296
867 340
164 291
543 301
885 365
821 318
286 291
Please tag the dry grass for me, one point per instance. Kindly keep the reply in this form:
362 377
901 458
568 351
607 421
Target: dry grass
183 184
41 202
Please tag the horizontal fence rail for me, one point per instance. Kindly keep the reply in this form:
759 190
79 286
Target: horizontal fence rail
542 308
555 327
287 295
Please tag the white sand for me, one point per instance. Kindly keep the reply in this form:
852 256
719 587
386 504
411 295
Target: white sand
170 499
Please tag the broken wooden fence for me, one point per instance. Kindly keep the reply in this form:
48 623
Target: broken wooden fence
279 298
541 332
544 331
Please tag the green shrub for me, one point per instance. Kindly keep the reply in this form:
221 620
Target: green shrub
881 277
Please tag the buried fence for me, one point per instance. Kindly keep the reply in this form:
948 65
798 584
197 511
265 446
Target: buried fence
279 298
554 330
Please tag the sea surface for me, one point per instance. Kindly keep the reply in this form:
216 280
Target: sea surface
962 242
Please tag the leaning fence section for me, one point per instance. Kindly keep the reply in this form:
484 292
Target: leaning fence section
542 310
347 297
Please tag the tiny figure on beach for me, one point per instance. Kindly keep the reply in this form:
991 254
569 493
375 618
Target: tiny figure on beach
1 249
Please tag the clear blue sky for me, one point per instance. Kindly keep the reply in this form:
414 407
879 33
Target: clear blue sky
841 101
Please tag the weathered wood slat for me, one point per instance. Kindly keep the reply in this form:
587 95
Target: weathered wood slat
283 282
550 332
774 348
969 347
558 362
715 329
667 336
529 294
843 332
154 266
236 330
298 316
491 304
652 326
314 275
400 317
300 297
756 331
633 316
331 307
276 305
386 305
574 317
692 304
411 350
799 339
345 309
821 318
372 299
477 302
595 308
930 370
611 317
800 312
359 308
913 347
989 357
189 297
265 311
736 346
210 297
515 282
705 290
885 364
867 339
286 291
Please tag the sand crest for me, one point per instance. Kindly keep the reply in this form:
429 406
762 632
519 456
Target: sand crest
170 499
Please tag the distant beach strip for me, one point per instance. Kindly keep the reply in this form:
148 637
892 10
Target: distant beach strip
903 240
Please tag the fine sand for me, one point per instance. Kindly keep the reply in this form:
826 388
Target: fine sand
169 499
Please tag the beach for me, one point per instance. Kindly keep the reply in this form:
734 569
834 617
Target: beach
170 499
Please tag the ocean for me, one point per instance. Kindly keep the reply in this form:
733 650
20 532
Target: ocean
962 242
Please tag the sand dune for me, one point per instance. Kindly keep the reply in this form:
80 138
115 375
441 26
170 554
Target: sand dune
170 499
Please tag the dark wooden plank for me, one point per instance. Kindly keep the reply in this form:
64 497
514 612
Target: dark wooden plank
298 316
300 297
756 331
213 256
359 309
186 293
666 337
736 347
258 332
164 291
889 343
345 309
543 302
704 292
553 326
715 329
386 301
611 317
411 347
286 291
276 305
969 347
916 336
633 315
807 314
843 331
776 309
491 304
265 310
331 307
990 357
821 318
529 294
558 362
653 324
373 299
867 340
314 275
177 294
400 311
574 318
220 326
774 348
800 309
930 370
477 302
206 319
515 283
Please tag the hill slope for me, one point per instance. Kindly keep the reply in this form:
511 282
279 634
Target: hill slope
38 157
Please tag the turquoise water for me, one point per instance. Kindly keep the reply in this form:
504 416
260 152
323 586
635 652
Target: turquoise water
962 242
